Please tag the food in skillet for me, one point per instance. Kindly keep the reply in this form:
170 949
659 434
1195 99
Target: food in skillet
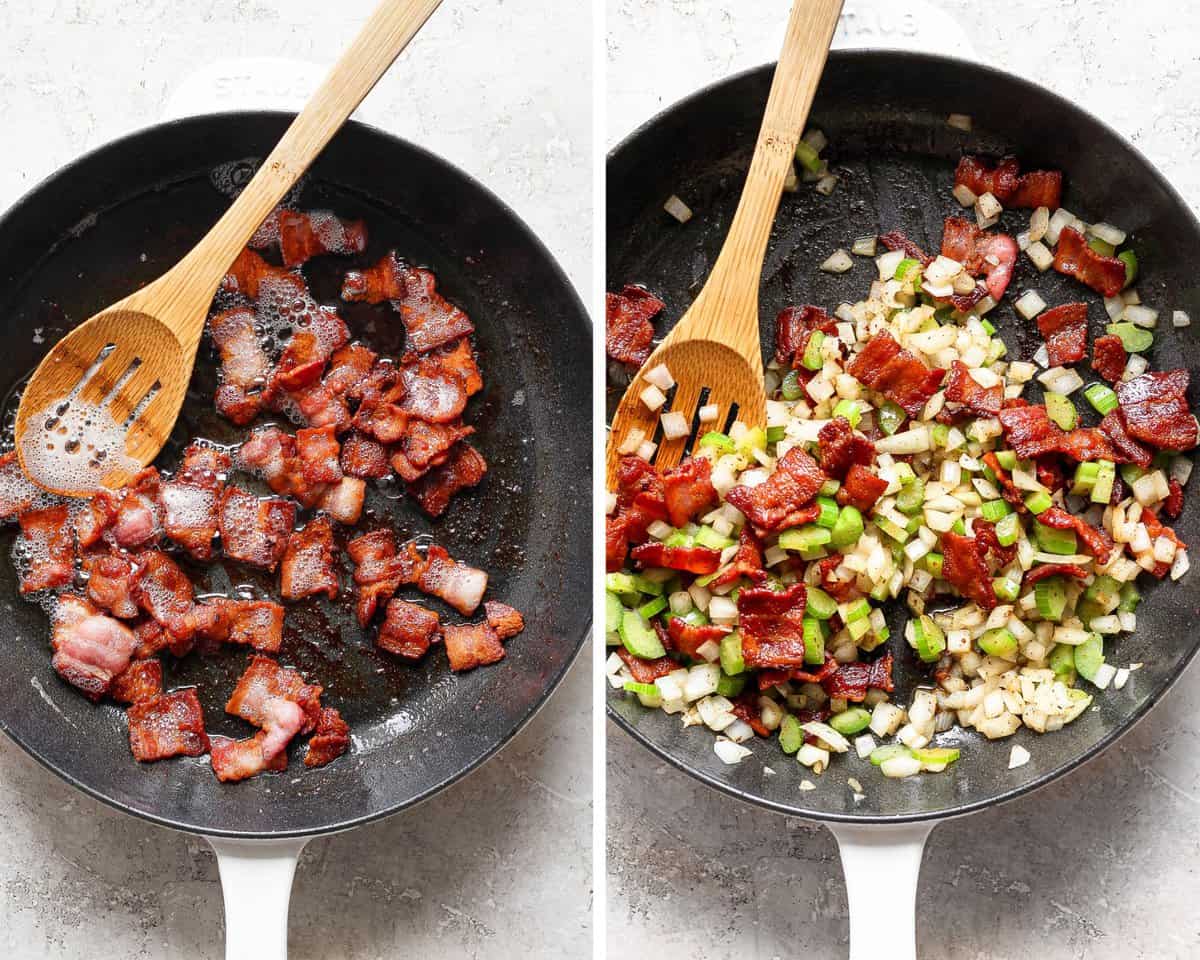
747 586
327 416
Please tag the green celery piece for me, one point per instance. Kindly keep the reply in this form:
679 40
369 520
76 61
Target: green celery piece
653 607
812 359
1102 247
728 686
1134 339
639 637
620 583
1051 596
850 721
645 585
1089 656
808 158
1038 502
613 610
1006 458
829 512
1129 598
820 604
1129 258
1050 540
850 411
1062 662
1107 476
994 510
911 497
775 434
1006 589
999 642
791 388
931 563
714 438
891 417
814 642
732 662
1008 530
931 641
805 539
887 751
937 755
790 735
1085 479
1061 410
708 537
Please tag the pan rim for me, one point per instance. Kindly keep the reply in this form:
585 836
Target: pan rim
579 312
973 806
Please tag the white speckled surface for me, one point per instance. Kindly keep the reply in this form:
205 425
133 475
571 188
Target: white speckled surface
499 88
1101 865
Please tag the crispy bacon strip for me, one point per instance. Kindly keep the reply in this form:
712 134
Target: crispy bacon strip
425 445
1073 257
962 388
264 681
687 638
379 570
698 560
793 327
364 457
111 580
1064 329
647 671
141 680
1031 433
627 321
896 373
47 549
851 681
841 448
747 562
167 725
408 630
1155 410
249 273
992 254
771 625
189 500
1127 449
464 468
460 585
616 542
965 568
784 498
1109 357
244 364
329 741
254 530
861 488
1173 506
1095 541
90 649
303 236
471 645
308 562
505 620
688 492
318 451
1038 188
1044 570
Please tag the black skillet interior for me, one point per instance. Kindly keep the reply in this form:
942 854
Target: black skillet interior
118 218
885 116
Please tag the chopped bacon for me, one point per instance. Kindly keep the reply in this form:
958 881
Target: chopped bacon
141 680
464 468
348 367
244 365
381 419
111 580
383 280
460 585
264 681
90 649
505 620
1050 473
47 549
1064 329
1109 357
965 568
992 254
1037 188
647 671
1155 409
965 302
254 530
471 645
628 329
253 623
408 630
150 639
364 457
315 405
1095 541
1173 506
165 593
1044 570
330 739
318 452
1156 529
1073 257
698 560
688 638
167 725
688 491
861 488
771 625
897 240
793 327
1086 443
841 590
747 562
962 388
989 542
1031 433
436 386
1008 489
303 236
781 500
137 520
299 366
234 760
249 273
841 448
425 445
896 373
308 562
343 501
189 500
851 681
380 570
746 709
616 542
18 494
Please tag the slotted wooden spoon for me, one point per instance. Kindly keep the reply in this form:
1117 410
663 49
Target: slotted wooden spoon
715 345
135 358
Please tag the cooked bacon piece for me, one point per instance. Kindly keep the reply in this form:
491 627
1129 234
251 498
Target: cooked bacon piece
962 388
386 422
308 562
234 760
897 240
437 385
1087 443
1127 449
244 364
1173 506
851 681
1050 473
348 367
1031 433
1155 410
769 678
965 302
364 457
303 236
640 496
989 542
189 501
141 680
300 364
264 681
505 620
1156 529
1108 357
425 445
793 327
150 638
96 518
1064 329
781 500
747 562
616 542
384 280
896 373
698 560
111 580
628 332
343 501
254 530
992 254
90 649
1073 257
965 568
249 273
430 320
379 570
318 451
771 624
1038 188
841 590
408 630
687 638
1008 489
167 725
137 520
647 671
47 549
464 468
18 494
460 585
688 491
329 741
165 593
254 623
315 405
1044 570
1095 541
861 488
841 448
269 453
471 645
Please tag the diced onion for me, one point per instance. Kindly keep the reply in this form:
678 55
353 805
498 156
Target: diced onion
675 425
708 413
653 397
864 246
661 377
1030 304
1108 233
959 121
1180 319
730 752
678 209
838 262
1018 757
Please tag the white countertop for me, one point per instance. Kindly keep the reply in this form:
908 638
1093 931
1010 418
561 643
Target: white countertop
497 88
1101 864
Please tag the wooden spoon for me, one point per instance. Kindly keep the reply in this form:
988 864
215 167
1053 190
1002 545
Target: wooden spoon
716 345
134 359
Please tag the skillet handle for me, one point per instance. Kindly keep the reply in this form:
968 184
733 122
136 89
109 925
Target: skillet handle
882 865
256 880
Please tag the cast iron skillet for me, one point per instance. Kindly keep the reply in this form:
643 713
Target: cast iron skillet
885 116
122 215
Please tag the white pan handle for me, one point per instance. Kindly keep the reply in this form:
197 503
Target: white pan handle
256 879
882 865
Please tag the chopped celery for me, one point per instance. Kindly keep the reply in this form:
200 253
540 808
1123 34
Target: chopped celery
808 158
790 734
1051 597
820 604
1038 502
754 439
888 751
1006 458
1085 479
899 534
728 686
613 610
1051 540
1134 339
694 617
905 267
830 487
857 611
999 642
993 510
911 496
775 434
791 388
1129 258
1089 656
1006 589
937 756
1101 397
849 411
1131 473
1129 598
829 512
645 585
959 527
1105 591
1102 247
931 563
812 359
850 721
1008 530
653 607
639 637
1061 410
890 416
648 689
1062 662
621 583
858 629
708 537
805 539
848 529
988 327
939 435
931 641
1105 478
996 350
721 441
680 538
731 654
814 641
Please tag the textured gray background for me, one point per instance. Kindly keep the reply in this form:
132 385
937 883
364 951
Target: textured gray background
499 88
1100 865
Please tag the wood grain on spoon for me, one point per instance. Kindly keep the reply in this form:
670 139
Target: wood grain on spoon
716 345
160 325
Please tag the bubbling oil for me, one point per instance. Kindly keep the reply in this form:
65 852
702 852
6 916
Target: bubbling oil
72 445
